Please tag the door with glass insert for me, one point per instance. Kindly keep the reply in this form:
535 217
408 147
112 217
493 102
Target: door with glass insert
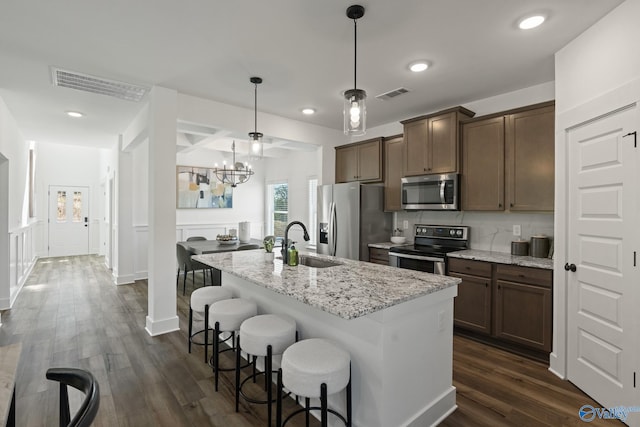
68 221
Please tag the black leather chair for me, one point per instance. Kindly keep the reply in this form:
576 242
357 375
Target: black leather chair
186 264
85 382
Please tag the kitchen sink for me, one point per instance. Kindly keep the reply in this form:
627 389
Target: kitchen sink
314 262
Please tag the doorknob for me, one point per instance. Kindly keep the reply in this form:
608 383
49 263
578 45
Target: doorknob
570 267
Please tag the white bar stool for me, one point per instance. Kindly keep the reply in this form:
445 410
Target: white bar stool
227 316
201 301
314 368
263 336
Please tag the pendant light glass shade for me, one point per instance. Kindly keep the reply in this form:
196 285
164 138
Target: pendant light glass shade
355 110
256 146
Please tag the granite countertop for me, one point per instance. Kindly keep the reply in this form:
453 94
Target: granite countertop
387 245
350 290
503 258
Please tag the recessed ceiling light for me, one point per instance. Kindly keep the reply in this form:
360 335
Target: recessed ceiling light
418 66
308 111
74 114
531 22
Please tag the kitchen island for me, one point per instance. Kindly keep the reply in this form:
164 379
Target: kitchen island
397 325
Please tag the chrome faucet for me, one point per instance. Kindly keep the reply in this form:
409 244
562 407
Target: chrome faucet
285 243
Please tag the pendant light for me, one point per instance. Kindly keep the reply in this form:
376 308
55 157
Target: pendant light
234 174
355 110
256 146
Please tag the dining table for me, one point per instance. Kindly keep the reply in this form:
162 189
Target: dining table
200 247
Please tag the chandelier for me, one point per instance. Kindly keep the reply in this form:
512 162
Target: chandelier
236 173
355 110
256 146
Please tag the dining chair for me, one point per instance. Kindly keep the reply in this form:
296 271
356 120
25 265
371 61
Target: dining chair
186 264
85 382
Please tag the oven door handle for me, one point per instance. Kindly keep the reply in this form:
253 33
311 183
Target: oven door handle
418 257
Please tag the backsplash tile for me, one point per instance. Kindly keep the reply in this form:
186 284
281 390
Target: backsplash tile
490 231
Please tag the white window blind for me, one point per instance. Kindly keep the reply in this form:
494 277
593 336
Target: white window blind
313 209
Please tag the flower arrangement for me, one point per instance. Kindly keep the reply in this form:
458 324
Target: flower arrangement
268 243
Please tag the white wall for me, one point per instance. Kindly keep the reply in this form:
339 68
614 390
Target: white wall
596 73
506 101
17 230
296 169
70 165
16 150
248 198
602 58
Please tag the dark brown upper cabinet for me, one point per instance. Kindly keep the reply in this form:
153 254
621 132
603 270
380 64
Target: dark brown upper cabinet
508 160
361 161
431 142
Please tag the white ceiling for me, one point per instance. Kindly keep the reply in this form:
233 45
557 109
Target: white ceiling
302 49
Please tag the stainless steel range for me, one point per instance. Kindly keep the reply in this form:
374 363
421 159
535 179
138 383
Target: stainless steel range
429 250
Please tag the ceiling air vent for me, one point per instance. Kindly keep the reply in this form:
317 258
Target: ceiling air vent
392 93
93 84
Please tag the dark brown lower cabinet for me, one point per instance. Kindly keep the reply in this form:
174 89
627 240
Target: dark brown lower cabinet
379 256
523 308
472 307
507 304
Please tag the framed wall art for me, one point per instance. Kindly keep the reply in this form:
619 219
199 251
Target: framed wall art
198 188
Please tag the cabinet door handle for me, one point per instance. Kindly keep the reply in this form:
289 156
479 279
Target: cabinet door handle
510 204
499 205
486 285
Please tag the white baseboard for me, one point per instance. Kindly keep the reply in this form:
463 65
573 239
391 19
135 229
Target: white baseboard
436 411
159 327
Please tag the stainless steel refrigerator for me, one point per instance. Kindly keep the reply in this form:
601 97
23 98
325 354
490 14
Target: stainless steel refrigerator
350 216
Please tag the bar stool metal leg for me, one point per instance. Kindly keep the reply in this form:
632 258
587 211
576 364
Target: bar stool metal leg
238 373
190 326
206 332
216 352
323 405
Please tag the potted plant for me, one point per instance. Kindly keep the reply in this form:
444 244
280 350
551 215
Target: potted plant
269 242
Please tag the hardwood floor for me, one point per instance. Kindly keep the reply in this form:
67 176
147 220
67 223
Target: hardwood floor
70 314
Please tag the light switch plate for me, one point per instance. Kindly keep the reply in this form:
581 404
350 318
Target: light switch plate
405 225
517 230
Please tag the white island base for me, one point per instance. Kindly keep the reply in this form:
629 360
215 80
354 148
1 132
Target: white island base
401 356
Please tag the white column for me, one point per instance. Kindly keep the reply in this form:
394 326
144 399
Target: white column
162 316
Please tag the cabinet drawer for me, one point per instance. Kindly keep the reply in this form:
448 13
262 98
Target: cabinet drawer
466 266
530 275
379 256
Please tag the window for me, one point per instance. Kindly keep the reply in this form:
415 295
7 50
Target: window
62 206
31 183
313 209
77 206
278 209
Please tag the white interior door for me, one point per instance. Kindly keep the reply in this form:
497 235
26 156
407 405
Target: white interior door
603 219
68 221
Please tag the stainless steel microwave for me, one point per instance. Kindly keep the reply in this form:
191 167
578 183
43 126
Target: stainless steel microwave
430 192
